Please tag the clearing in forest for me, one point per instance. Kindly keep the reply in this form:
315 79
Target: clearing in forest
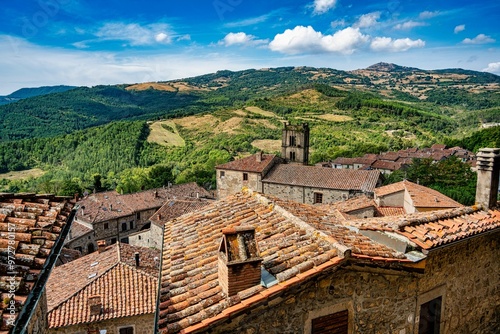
163 136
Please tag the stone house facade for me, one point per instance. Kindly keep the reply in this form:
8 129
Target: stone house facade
113 217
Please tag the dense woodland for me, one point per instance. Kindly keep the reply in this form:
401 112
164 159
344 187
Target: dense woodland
97 138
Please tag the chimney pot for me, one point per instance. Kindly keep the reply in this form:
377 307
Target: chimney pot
239 264
488 169
101 246
95 304
137 259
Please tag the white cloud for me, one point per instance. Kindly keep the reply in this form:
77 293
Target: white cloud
323 6
428 15
409 25
240 38
493 67
459 28
135 34
479 39
24 64
338 23
395 45
306 40
367 20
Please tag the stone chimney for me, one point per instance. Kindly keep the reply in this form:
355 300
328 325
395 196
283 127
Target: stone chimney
95 304
258 156
488 168
101 246
239 260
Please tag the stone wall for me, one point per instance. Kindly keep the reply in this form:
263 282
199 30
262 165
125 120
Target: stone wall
38 322
388 301
152 237
304 194
395 199
143 324
232 182
82 243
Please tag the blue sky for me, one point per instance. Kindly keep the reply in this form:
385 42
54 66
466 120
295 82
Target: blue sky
90 42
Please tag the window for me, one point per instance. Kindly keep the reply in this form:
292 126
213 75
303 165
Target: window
126 330
245 176
138 215
113 241
429 311
332 323
124 226
106 226
90 248
131 225
293 141
124 240
78 249
430 317
222 174
292 156
318 198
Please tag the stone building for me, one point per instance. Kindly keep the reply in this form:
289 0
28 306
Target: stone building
32 232
113 217
252 263
113 289
290 177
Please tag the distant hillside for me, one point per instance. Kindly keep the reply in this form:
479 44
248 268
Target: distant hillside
25 93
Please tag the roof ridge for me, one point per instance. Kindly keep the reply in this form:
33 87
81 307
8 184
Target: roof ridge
83 287
438 215
343 250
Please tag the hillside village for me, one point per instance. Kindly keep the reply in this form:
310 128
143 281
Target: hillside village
281 246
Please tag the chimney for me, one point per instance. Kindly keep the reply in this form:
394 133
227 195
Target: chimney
101 246
137 259
258 156
239 260
95 304
488 168
155 194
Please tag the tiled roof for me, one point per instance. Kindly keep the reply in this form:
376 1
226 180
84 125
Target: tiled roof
125 292
344 161
390 211
30 229
353 204
68 280
440 231
190 291
327 178
295 241
422 197
177 207
111 205
249 164
78 230
389 165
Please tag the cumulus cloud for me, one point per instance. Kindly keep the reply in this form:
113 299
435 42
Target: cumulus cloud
409 25
493 67
135 34
479 39
367 20
306 40
459 28
395 45
323 6
240 38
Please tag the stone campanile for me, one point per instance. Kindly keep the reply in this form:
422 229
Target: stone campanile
488 169
295 143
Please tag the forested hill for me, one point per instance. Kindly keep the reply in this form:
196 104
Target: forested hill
456 93
25 93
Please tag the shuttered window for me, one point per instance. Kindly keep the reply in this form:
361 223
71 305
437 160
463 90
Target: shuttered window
336 323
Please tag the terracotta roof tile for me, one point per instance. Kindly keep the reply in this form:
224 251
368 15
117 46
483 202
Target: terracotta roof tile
390 211
126 290
111 205
34 222
353 204
327 178
250 164
177 207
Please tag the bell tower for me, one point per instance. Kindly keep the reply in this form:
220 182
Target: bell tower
295 143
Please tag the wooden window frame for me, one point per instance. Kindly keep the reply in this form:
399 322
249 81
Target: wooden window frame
316 196
341 305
